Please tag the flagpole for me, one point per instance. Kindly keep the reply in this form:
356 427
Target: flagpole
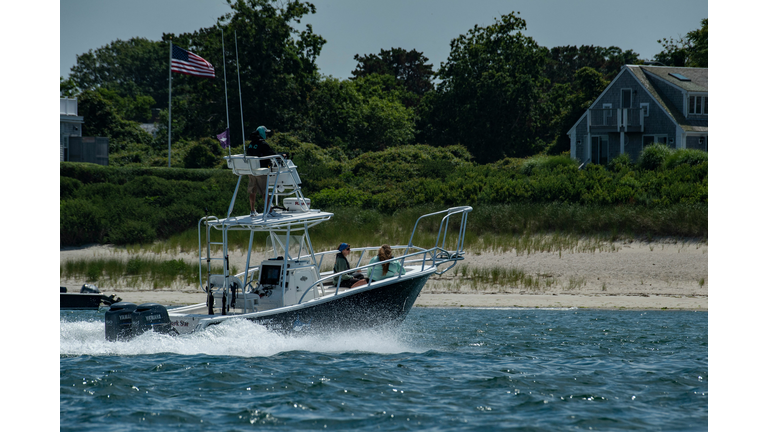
226 98
170 60
239 90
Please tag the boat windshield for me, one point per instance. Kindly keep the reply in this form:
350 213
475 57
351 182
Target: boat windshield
297 245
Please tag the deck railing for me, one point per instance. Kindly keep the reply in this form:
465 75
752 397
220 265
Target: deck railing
605 117
438 255
631 119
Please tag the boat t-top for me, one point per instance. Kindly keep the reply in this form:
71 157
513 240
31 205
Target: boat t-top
288 291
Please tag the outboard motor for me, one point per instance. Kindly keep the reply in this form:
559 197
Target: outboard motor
89 289
118 321
151 316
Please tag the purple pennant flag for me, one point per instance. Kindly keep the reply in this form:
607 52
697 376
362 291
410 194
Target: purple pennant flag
224 138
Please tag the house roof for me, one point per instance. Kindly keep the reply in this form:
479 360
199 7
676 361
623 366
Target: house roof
698 76
698 83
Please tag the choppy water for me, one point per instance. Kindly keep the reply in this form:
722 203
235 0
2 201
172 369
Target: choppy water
444 369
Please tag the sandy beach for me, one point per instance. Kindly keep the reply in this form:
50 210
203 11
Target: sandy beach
665 274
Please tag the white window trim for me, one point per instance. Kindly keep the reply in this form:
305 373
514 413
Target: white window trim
688 104
647 110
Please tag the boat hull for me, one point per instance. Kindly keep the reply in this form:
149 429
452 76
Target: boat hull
379 305
375 307
79 301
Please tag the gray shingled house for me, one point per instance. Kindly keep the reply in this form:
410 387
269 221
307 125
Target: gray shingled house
643 105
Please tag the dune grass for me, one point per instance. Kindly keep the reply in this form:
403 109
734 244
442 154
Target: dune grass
504 277
523 229
135 270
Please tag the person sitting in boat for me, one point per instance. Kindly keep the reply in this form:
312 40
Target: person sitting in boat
385 270
258 147
347 279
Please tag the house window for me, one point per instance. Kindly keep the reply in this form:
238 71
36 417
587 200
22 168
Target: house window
698 105
646 109
626 98
650 139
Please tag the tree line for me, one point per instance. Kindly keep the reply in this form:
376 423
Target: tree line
499 94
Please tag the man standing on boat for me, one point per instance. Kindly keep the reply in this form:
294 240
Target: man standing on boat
258 147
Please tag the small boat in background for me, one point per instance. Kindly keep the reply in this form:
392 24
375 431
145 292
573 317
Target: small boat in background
89 297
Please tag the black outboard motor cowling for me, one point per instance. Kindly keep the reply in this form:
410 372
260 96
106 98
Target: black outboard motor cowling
89 289
151 316
118 321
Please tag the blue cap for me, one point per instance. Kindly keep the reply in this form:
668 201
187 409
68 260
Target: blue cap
343 247
263 131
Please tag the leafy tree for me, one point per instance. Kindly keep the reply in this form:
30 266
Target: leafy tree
277 69
690 51
564 61
67 88
133 67
491 96
409 68
358 116
334 109
104 118
385 87
277 62
382 124
588 84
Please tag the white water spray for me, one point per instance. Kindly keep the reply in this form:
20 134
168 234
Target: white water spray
239 338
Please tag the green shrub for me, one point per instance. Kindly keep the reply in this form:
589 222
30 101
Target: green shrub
691 157
100 191
654 156
68 186
338 198
546 163
177 218
132 232
80 222
149 187
620 162
127 157
165 202
200 156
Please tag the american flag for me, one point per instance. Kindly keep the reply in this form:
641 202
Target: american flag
186 62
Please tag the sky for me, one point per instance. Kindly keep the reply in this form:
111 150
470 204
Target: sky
365 27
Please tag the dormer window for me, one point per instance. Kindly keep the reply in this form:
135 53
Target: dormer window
698 105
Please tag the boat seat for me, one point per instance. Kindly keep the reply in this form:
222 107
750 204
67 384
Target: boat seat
288 178
246 165
251 165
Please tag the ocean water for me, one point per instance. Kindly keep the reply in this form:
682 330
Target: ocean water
444 369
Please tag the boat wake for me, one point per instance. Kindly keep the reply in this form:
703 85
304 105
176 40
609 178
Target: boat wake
239 338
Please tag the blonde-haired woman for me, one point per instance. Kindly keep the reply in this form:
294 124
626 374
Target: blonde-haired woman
385 270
